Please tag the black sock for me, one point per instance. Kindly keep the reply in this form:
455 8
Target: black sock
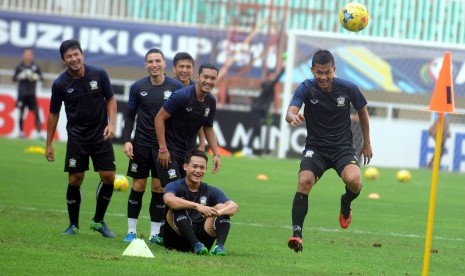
104 193
346 200
162 225
222 225
73 200
134 204
184 224
157 206
299 211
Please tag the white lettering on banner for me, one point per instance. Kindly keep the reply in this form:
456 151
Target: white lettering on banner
460 78
219 134
52 35
240 136
113 41
141 45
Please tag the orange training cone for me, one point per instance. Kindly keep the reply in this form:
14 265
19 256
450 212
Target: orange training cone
443 94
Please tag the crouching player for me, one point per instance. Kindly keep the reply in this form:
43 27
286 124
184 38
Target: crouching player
198 213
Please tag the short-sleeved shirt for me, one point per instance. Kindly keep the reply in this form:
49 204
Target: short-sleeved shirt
206 195
85 103
27 87
327 114
188 115
145 100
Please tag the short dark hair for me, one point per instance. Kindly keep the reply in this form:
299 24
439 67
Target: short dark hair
322 57
195 152
208 66
182 56
154 51
69 44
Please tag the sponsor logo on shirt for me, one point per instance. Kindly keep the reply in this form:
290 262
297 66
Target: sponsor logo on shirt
203 200
69 91
93 85
207 111
314 101
72 163
143 93
341 101
166 94
188 109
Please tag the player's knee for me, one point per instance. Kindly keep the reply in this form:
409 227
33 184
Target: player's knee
75 179
306 182
107 177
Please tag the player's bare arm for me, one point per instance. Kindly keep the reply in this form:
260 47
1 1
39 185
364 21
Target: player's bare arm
177 203
293 116
365 125
109 131
52 123
163 153
229 208
211 138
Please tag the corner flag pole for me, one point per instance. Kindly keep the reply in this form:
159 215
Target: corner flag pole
441 102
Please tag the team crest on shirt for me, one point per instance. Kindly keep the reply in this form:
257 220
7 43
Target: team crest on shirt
172 173
93 85
72 163
167 94
134 167
309 153
203 200
207 111
341 101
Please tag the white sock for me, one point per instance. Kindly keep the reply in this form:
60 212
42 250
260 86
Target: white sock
154 228
132 225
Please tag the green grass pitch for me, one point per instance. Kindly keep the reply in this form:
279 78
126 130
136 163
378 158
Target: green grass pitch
386 237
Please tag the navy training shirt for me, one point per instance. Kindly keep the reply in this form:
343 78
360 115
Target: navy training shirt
85 103
327 114
206 195
188 115
145 100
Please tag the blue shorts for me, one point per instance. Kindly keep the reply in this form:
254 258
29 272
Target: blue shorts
320 159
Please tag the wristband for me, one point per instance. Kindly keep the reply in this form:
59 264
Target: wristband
162 150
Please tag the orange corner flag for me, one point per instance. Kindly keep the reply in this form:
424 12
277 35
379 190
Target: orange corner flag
443 94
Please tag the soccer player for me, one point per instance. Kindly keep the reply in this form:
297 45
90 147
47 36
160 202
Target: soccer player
198 214
90 108
181 117
260 107
329 142
183 68
27 74
146 97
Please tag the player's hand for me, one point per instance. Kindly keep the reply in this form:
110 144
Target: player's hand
128 150
207 211
109 132
297 120
216 164
50 153
367 153
164 159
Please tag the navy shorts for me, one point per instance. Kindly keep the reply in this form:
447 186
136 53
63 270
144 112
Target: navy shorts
174 172
29 100
171 240
143 162
318 159
102 155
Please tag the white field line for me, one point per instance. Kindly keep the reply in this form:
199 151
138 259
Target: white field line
317 229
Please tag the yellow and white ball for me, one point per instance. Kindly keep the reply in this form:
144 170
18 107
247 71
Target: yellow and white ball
121 183
354 17
404 175
371 173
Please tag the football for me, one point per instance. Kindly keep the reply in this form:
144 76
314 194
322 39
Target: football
354 17
371 173
121 183
403 175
